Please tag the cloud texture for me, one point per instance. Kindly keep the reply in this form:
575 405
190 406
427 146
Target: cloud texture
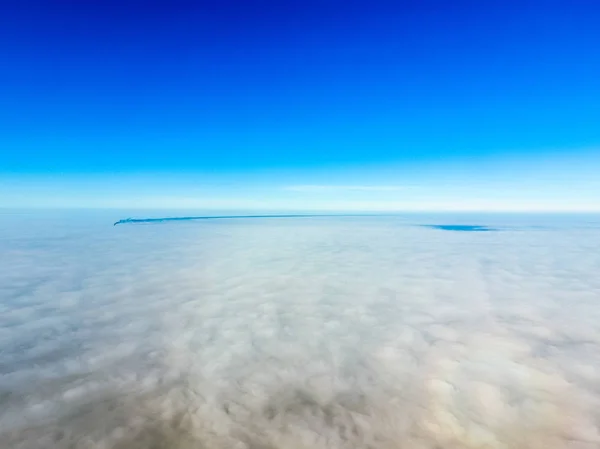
299 333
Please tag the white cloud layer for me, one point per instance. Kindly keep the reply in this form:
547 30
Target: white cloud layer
299 333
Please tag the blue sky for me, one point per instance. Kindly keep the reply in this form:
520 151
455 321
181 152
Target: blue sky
328 105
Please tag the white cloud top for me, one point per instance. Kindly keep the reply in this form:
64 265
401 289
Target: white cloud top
299 333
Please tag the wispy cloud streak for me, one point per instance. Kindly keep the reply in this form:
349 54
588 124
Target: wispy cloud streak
342 188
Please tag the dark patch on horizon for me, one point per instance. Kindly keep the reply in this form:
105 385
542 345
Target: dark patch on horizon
461 228
443 227
221 217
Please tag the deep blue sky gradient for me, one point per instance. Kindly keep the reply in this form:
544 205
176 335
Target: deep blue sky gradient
236 87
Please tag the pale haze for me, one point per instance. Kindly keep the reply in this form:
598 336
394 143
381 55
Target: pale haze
322 332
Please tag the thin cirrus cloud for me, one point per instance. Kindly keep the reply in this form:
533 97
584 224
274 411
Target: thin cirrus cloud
345 188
